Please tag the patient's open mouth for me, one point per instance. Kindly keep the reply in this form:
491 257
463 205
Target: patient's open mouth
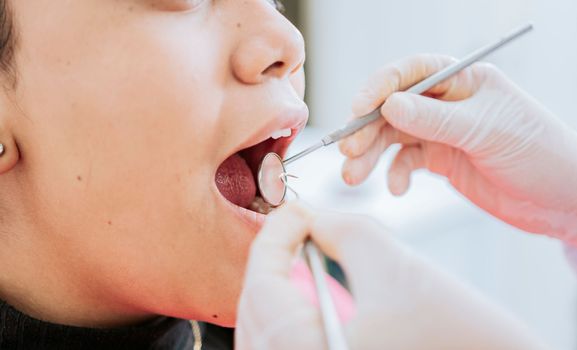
236 176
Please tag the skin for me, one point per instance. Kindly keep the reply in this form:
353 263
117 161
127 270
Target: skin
122 112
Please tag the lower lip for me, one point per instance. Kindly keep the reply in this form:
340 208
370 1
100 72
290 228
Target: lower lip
252 219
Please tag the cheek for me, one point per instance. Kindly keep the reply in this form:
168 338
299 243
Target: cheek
130 127
138 93
119 139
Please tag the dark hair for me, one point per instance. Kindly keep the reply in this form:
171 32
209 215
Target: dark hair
7 44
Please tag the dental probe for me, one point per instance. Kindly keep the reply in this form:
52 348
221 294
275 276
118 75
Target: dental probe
418 89
332 326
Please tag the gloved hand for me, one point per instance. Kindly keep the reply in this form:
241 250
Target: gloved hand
402 301
496 145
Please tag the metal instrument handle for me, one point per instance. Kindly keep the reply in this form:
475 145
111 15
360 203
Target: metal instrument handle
428 83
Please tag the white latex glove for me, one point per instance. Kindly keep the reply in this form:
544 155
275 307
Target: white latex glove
496 145
402 301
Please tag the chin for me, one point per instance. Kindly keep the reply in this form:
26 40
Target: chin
240 208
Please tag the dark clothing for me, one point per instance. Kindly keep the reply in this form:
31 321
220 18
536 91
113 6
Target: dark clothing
22 332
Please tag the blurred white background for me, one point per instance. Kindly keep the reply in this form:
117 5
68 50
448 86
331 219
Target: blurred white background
348 40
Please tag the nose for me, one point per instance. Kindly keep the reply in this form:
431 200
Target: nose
270 47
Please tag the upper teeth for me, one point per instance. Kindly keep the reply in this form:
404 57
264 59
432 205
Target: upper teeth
281 133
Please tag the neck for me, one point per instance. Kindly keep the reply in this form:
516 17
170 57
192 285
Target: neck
43 274
37 278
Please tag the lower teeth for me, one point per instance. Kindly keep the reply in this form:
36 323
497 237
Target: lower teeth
260 206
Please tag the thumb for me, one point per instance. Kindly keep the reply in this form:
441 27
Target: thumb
426 118
276 245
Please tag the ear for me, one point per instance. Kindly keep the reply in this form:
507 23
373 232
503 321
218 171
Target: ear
9 153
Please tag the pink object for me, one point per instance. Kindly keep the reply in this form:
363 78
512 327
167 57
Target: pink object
303 279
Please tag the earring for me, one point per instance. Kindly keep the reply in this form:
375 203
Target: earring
2 149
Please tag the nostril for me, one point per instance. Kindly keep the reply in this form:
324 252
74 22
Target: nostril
273 68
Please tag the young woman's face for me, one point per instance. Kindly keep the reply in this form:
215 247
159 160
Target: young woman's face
127 110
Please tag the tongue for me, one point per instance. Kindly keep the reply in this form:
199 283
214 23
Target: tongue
235 181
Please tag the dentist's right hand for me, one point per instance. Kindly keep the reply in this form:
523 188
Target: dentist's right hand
495 143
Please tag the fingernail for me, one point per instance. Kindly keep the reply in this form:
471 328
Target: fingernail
346 178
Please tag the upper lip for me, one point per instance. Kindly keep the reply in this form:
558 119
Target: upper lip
294 118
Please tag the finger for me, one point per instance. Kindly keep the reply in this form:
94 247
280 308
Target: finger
270 301
429 119
276 245
356 170
270 307
368 256
358 143
398 76
467 82
409 159
458 87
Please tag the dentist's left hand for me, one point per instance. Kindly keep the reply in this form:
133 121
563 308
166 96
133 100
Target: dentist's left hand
402 301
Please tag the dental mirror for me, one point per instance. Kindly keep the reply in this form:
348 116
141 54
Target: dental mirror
272 180
272 175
